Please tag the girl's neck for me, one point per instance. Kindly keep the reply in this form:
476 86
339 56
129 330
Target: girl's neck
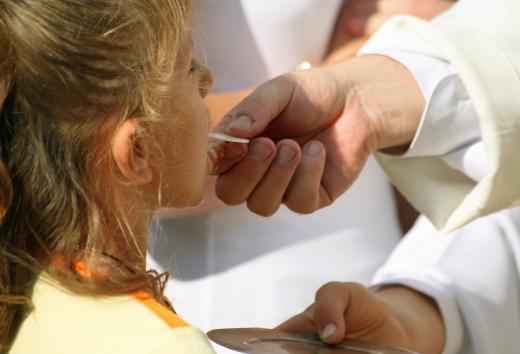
127 234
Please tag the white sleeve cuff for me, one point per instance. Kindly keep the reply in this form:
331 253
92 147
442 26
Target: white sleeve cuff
449 121
433 283
449 127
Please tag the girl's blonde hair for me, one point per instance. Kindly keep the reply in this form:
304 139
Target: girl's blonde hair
69 69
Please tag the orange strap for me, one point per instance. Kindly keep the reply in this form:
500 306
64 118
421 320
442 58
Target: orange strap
164 313
170 318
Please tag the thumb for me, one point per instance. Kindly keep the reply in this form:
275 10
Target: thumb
251 116
331 303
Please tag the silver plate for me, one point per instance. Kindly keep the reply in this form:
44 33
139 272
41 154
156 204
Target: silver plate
268 341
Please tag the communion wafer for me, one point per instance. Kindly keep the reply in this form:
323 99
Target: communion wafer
228 138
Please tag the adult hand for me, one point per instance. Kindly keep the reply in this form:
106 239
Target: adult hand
325 123
394 316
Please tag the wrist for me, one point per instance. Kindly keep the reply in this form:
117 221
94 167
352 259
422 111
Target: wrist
390 98
418 317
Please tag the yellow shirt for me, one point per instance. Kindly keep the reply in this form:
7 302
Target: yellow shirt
66 323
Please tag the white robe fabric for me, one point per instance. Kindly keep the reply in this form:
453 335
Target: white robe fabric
474 276
232 268
480 39
473 273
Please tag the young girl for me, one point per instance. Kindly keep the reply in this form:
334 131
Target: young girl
102 122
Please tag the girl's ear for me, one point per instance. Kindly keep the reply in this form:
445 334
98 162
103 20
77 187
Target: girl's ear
131 153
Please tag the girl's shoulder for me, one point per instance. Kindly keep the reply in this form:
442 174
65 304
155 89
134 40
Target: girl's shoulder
65 323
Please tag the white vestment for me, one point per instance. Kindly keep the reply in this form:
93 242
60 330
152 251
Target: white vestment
480 39
457 170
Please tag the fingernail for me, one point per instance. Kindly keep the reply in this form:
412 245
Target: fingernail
313 149
285 155
242 123
329 330
259 151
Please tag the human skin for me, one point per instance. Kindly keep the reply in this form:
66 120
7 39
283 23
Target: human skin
391 315
357 20
333 117
406 314
161 164
220 103
329 120
369 117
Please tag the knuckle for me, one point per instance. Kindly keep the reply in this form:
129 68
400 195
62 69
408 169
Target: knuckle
353 287
284 81
259 103
325 197
288 80
328 286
